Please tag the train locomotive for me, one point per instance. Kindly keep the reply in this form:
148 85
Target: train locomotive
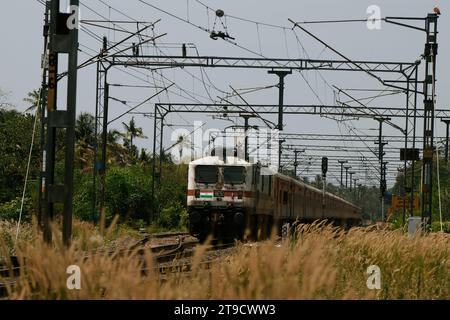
228 198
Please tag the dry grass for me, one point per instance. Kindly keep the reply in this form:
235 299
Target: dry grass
323 263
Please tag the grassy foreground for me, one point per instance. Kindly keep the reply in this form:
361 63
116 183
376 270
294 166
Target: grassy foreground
323 263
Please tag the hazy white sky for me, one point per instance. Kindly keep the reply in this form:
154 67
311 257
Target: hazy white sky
21 34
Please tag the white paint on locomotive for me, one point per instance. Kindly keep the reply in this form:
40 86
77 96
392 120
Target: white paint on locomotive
219 183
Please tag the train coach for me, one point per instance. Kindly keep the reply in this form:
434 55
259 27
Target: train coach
229 197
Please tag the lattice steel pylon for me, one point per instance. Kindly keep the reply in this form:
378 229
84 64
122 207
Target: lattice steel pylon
430 54
101 131
158 133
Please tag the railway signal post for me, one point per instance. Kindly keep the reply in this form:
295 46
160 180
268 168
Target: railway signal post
324 182
63 34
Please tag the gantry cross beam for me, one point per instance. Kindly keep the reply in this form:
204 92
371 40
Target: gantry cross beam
260 63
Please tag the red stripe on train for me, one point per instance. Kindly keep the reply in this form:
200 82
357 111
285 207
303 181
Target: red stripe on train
247 194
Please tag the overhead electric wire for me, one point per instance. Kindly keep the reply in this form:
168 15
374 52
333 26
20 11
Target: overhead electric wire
234 43
157 48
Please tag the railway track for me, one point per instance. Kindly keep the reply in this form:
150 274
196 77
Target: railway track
174 257
182 264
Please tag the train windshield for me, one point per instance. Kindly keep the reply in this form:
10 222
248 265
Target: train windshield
234 175
206 174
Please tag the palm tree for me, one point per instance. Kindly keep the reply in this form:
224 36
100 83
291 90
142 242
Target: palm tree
32 98
85 138
131 131
85 129
113 136
116 150
144 157
183 142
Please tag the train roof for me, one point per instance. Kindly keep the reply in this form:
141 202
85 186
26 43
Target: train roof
218 161
304 184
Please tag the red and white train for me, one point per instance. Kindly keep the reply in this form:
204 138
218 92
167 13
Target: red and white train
229 198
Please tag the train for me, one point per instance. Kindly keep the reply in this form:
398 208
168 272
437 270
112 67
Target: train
230 198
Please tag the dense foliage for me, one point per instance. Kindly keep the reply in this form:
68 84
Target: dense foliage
128 179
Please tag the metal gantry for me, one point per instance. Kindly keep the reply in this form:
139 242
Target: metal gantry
285 66
407 70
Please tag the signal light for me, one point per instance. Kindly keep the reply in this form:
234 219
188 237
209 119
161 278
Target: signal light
324 166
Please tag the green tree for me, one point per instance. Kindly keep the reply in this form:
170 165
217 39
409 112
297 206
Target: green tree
132 132
85 139
32 99
117 153
15 135
85 129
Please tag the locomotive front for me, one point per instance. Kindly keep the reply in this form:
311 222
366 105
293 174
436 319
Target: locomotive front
218 197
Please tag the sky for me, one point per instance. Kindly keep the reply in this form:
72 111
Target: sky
247 21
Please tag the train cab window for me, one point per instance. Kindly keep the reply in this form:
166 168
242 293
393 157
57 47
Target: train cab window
234 175
206 174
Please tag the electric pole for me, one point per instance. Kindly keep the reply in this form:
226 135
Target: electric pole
342 162
354 185
43 106
63 33
296 152
447 124
381 154
346 176
281 75
429 92
246 128
351 173
280 151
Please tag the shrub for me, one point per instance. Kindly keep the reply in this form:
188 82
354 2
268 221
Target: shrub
128 193
436 226
83 200
11 210
172 217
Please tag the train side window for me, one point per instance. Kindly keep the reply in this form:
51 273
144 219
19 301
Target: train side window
285 197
